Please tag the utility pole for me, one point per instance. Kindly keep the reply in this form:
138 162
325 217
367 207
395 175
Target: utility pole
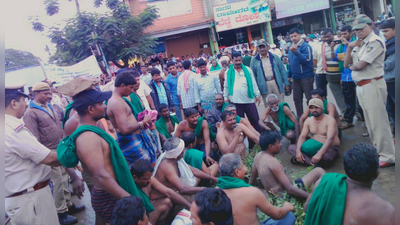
356 7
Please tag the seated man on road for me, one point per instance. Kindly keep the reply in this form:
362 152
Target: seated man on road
284 120
231 136
244 121
142 172
123 213
173 172
194 157
349 199
272 174
323 146
211 206
245 198
165 125
329 108
194 123
214 115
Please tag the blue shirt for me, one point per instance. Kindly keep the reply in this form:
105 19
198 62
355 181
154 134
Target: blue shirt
172 83
346 73
162 94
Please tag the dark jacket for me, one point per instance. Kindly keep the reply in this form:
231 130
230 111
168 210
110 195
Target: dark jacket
301 61
278 70
154 95
389 67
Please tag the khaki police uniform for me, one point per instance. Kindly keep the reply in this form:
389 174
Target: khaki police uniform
372 94
28 196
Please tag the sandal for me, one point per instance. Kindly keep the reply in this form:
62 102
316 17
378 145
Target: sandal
365 134
346 125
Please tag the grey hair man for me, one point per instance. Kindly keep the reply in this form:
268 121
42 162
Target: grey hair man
245 209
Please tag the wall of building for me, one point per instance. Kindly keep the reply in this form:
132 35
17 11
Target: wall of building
187 43
197 16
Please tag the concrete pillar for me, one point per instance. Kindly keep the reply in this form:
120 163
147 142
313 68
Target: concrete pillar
356 7
325 20
269 30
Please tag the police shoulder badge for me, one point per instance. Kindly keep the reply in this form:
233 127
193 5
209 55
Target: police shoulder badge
369 48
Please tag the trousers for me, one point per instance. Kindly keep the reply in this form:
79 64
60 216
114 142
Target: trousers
32 208
336 89
372 98
300 87
330 155
390 106
349 93
251 113
61 195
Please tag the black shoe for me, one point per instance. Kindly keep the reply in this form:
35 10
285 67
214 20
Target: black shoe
66 219
75 209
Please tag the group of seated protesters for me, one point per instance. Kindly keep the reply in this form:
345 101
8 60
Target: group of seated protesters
200 152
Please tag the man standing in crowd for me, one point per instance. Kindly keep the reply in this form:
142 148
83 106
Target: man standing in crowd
275 50
348 85
365 57
27 171
301 69
269 73
146 76
44 124
205 88
241 89
186 87
172 82
388 30
160 92
247 58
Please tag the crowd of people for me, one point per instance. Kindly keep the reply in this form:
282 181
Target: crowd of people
153 141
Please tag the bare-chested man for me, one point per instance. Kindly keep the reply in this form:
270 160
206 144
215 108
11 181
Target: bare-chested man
329 108
180 177
271 172
142 172
165 125
350 199
323 146
94 148
245 198
202 131
282 117
134 143
231 136
244 121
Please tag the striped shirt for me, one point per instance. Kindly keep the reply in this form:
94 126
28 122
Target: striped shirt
188 98
206 87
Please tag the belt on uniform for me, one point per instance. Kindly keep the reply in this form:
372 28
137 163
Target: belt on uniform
37 186
269 78
364 82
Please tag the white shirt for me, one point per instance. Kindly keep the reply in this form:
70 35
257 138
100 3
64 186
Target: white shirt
146 78
143 91
317 55
276 51
23 154
240 88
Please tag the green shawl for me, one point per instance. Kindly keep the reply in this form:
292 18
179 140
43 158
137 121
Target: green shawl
215 68
197 130
161 125
137 106
224 106
194 158
311 147
328 201
231 81
66 154
66 114
284 121
341 50
238 118
225 182
325 108
127 102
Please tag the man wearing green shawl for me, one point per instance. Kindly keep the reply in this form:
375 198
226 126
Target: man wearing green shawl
194 123
240 88
329 109
323 146
100 155
67 113
338 199
283 119
166 124
245 198
214 65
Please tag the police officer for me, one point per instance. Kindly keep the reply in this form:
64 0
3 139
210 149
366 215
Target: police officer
365 57
27 167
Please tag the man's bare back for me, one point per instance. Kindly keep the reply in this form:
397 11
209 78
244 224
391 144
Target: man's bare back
319 130
166 166
118 109
365 208
263 162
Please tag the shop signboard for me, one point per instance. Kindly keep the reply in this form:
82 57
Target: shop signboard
241 14
286 8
